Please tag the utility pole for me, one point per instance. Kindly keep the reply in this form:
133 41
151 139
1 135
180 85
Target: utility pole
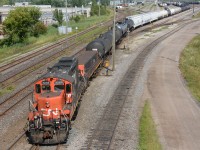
113 42
66 19
193 8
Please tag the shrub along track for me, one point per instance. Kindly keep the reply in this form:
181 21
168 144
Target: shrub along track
102 136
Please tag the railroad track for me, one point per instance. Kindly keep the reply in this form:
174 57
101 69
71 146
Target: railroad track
33 147
102 136
117 101
59 50
21 136
12 101
48 48
58 47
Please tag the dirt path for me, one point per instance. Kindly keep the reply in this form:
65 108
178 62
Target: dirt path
176 114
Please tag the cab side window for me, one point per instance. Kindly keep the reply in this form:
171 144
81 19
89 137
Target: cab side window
37 88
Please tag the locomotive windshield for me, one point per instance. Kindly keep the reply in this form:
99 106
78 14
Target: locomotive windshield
46 87
58 86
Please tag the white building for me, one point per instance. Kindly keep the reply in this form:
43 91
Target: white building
47 12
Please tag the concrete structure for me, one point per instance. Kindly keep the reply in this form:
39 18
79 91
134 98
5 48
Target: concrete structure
47 12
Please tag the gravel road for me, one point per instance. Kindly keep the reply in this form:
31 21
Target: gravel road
176 114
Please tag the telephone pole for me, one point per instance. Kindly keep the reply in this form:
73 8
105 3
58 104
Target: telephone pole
113 41
66 19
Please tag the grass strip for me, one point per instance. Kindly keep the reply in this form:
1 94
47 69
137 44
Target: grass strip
51 36
197 16
148 138
190 66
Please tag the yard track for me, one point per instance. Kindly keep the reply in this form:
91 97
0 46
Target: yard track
102 136
48 48
26 92
12 101
21 136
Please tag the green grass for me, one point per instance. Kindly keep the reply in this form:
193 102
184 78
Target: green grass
190 66
197 16
51 36
6 90
148 138
159 29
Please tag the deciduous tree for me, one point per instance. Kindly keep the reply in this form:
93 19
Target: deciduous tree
19 23
58 15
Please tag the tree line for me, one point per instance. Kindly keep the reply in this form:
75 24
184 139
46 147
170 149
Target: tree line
57 3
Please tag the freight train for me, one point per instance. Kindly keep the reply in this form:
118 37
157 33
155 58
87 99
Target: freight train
57 93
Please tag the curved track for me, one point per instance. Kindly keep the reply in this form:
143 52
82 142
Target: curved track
102 135
176 113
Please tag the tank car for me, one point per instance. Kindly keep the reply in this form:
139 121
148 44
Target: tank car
129 23
123 27
103 44
173 10
137 20
185 7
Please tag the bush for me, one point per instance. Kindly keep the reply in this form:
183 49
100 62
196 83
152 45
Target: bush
77 19
38 29
55 25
